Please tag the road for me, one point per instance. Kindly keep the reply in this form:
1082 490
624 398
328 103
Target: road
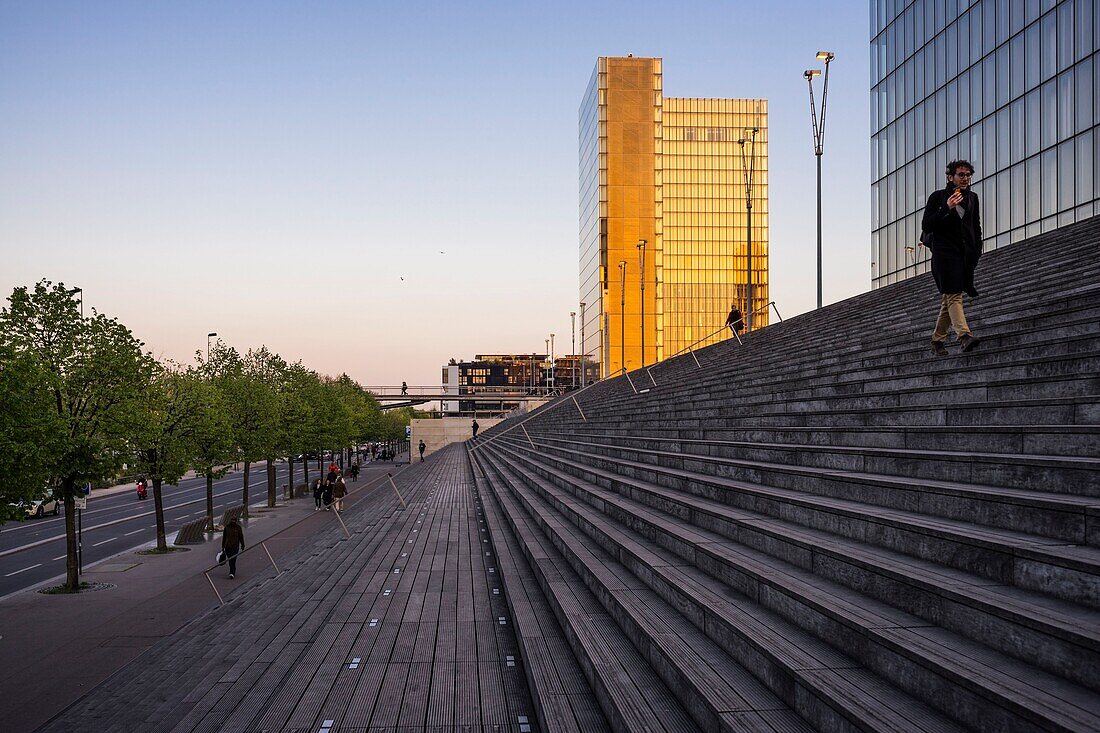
34 550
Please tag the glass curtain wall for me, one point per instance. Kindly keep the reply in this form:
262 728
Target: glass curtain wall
667 172
1011 85
705 222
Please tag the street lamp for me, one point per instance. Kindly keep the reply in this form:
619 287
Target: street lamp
80 292
748 163
819 141
573 343
553 364
208 337
641 279
622 314
547 350
584 356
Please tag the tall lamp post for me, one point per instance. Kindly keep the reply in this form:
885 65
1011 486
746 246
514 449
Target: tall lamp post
819 142
209 336
748 165
573 343
622 313
547 342
584 356
553 364
641 279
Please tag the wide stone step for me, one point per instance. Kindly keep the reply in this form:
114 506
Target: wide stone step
1005 695
825 688
1049 565
563 699
977 467
631 694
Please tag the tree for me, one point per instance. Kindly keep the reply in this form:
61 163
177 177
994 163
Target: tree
179 411
250 402
93 370
30 427
268 369
214 448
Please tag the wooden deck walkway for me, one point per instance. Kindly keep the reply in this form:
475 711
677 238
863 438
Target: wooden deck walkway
403 627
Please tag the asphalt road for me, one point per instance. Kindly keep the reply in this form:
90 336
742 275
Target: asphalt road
34 550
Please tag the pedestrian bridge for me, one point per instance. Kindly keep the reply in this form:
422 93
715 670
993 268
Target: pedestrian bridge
395 396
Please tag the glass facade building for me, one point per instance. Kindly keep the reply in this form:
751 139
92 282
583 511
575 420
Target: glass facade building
669 172
1013 86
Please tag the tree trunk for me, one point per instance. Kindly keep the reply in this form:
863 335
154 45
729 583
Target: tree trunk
210 499
244 496
290 476
158 504
72 569
305 473
270 483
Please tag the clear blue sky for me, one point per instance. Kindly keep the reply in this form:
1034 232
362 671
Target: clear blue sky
270 170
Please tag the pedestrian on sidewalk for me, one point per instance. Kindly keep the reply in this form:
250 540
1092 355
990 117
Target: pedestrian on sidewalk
422 447
952 229
317 488
355 471
339 491
475 426
232 544
734 320
404 388
326 493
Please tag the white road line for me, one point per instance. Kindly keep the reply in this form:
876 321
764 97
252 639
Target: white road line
32 567
134 532
62 557
180 519
104 542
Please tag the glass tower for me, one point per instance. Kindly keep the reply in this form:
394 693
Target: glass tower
671 173
1013 86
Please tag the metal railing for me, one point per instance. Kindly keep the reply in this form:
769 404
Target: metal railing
765 307
359 490
452 392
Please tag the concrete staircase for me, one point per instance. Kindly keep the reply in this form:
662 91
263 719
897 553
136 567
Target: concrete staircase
829 527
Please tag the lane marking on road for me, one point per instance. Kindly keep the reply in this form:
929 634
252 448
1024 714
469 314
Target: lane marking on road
104 542
180 519
47 540
32 567
60 557
134 532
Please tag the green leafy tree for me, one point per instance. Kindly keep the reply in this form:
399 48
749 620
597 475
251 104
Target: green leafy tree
252 405
94 371
30 427
214 448
180 409
269 370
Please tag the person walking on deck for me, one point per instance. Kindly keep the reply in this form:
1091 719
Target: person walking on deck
339 491
232 544
734 319
422 447
474 427
952 229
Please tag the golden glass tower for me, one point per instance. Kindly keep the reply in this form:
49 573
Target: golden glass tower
663 213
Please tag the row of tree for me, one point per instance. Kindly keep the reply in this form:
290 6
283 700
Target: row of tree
79 399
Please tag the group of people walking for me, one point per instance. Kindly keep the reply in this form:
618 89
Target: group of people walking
329 492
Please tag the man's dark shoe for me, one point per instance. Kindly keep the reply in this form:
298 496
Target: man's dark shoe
968 342
938 348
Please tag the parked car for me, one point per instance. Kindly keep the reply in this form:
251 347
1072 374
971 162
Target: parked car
40 507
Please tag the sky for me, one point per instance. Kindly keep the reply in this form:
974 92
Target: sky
374 188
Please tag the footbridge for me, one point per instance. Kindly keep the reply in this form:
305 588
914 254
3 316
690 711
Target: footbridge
392 397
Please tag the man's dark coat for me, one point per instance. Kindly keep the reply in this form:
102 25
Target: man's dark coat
956 243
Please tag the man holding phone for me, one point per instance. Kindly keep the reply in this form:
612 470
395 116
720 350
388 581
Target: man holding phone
952 230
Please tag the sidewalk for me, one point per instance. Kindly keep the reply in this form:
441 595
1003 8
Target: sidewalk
54 648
